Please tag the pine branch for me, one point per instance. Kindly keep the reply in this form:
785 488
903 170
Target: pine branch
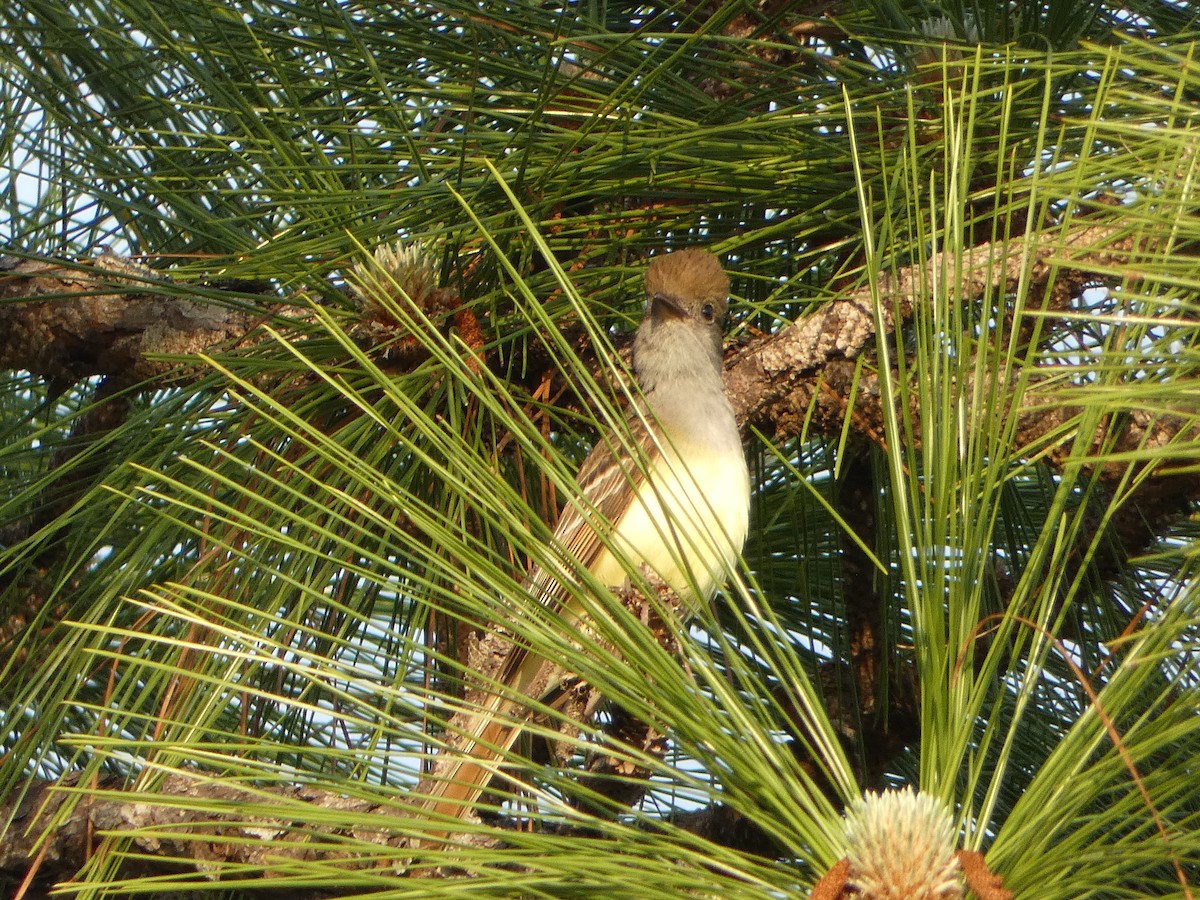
70 320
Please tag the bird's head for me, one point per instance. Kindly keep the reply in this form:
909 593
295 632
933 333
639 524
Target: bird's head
687 294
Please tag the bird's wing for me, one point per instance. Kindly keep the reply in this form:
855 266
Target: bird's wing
608 478
479 738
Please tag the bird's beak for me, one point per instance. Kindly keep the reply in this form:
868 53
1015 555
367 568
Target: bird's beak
664 306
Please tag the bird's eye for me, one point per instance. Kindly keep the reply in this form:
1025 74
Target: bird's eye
707 312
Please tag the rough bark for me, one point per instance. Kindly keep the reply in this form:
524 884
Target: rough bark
207 840
108 316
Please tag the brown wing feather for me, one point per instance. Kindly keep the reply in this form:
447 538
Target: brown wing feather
605 485
607 479
482 736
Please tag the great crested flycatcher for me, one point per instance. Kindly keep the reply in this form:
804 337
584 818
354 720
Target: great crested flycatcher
682 509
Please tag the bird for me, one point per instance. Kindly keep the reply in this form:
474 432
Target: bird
680 508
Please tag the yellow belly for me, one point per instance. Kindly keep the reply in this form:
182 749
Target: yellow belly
689 536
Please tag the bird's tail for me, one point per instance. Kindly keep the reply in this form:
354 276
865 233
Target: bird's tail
478 741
